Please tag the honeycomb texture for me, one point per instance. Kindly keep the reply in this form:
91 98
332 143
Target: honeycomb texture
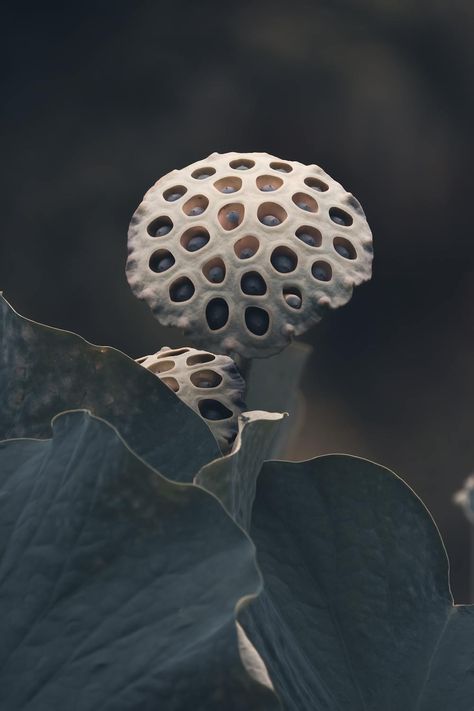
244 251
209 384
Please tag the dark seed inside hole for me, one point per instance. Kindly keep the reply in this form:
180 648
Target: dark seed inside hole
343 251
344 248
200 358
281 167
161 261
203 173
309 235
307 239
160 227
316 184
181 290
173 194
233 217
206 379
340 217
213 410
217 314
197 210
246 247
228 189
256 320
321 271
241 164
284 260
293 298
270 220
197 242
253 284
216 274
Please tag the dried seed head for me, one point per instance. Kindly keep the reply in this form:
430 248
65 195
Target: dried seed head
250 248
209 384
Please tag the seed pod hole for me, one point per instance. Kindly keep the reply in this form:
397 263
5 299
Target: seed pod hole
293 297
345 248
161 366
213 410
284 260
309 235
203 173
305 202
200 358
316 184
195 205
322 271
174 193
269 183
217 314
253 284
206 379
281 167
172 383
355 204
161 261
270 214
230 216
171 353
246 247
256 320
181 290
242 164
228 185
194 239
160 227
340 217
214 270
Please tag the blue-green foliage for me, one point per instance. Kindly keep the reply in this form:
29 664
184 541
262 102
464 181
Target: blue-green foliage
120 587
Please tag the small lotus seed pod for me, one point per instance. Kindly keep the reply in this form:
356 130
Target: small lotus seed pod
251 248
209 384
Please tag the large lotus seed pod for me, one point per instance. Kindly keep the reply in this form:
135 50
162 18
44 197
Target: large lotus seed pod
209 384
243 251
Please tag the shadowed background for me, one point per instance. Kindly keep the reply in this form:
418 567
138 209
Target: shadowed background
101 101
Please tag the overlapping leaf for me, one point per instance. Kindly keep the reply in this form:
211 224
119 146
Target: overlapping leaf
44 371
233 478
356 612
118 587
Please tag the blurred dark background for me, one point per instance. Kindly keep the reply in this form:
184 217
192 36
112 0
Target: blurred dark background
100 99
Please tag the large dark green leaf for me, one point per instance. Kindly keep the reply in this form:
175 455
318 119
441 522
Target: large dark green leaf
44 371
356 612
118 587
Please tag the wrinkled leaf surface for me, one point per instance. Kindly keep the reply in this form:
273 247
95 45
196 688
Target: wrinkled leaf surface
118 587
356 612
44 371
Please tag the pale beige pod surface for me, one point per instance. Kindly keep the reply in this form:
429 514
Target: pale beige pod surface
243 251
209 384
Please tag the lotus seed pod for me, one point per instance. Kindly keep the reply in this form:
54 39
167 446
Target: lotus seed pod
250 248
209 384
